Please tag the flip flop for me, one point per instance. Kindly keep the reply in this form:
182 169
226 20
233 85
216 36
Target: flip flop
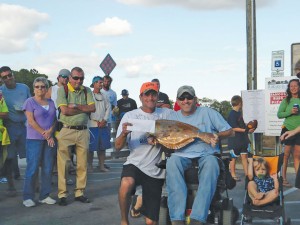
134 213
286 183
236 178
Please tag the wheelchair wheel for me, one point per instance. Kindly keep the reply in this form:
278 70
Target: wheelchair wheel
227 217
164 218
288 221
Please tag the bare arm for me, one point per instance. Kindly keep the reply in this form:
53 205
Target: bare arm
276 183
74 109
121 139
226 133
33 123
250 168
290 133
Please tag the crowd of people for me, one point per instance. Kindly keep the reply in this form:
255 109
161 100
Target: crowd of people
79 121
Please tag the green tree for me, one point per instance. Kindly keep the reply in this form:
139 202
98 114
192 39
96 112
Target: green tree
27 77
223 107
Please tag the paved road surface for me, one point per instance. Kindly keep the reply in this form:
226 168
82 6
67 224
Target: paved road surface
104 210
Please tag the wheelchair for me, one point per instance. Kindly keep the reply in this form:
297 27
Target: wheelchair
222 211
274 210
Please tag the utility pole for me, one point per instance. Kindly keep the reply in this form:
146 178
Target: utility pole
252 59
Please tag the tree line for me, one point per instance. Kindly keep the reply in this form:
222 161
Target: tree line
27 77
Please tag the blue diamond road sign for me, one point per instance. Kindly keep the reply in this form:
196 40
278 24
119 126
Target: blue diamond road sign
108 64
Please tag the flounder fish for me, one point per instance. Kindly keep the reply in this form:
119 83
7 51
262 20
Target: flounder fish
175 135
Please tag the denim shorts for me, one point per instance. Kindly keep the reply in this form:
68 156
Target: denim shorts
99 139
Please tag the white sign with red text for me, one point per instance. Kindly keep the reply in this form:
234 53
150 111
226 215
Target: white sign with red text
275 92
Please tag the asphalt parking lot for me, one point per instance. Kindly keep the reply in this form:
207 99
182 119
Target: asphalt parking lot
102 189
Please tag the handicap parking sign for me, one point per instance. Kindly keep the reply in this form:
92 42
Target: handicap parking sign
277 63
277 60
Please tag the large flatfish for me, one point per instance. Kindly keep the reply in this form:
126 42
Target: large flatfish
175 135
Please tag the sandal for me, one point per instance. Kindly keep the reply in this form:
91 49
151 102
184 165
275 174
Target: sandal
236 178
134 213
286 183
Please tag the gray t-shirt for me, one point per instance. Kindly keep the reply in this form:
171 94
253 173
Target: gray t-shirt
143 155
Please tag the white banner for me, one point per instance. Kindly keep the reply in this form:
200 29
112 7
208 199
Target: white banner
275 91
254 108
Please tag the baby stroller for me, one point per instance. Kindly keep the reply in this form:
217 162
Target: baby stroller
274 210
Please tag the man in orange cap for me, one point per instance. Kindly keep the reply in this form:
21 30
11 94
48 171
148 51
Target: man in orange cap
140 169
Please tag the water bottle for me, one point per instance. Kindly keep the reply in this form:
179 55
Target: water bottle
296 106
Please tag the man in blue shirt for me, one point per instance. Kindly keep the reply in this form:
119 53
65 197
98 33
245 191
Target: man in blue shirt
206 120
15 95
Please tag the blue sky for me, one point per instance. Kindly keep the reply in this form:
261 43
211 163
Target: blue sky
181 42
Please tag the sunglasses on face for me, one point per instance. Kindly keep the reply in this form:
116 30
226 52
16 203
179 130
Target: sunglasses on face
188 97
78 78
40 86
64 76
10 75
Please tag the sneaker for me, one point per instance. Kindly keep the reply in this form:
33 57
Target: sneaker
28 203
63 201
48 200
103 170
82 199
3 180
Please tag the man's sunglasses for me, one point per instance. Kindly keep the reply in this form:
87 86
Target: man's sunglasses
188 97
78 78
10 75
63 76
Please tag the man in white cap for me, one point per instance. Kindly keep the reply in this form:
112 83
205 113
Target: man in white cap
62 79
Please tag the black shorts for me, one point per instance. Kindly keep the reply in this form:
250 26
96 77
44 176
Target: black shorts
151 188
294 140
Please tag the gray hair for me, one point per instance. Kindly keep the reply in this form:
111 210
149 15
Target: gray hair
41 79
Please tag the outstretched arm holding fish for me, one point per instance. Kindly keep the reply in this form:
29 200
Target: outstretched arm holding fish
139 168
121 139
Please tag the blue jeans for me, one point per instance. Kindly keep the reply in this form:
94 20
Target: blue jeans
38 153
177 190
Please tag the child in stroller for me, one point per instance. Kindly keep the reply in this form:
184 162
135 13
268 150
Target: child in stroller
263 187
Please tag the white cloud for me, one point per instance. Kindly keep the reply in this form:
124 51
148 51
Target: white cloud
197 4
101 45
111 27
38 37
18 26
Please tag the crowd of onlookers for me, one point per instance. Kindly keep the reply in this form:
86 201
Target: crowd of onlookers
69 118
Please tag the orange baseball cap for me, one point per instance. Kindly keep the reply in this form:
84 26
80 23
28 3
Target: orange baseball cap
148 86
